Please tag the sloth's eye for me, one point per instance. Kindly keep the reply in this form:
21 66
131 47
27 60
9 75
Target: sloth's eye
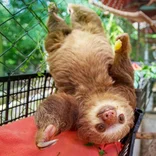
100 127
121 118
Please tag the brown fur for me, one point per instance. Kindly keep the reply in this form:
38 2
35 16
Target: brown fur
83 66
53 110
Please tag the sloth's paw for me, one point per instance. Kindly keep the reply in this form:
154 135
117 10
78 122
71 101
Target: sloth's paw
122 44
52 8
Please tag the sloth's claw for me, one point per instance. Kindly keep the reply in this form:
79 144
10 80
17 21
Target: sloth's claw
47 143
46 135
123 38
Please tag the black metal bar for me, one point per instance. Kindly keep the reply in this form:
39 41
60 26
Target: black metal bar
3 101
129 140
139 116
45 81
22 77
28 91
8 98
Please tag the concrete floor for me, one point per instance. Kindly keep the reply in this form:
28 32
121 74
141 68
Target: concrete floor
146 147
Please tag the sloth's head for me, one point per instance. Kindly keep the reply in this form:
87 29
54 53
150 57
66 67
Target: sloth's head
105 118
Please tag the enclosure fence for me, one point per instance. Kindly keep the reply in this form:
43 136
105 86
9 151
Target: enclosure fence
22 94
22 32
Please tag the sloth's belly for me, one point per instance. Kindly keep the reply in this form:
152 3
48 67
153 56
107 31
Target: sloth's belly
81 61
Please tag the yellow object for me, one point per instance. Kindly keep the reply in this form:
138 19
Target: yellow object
118 45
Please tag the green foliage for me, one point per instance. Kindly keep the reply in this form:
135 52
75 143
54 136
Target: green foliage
102 152
22 30
111 28
151 35
147 72
137 77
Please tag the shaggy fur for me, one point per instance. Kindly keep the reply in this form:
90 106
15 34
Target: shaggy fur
53 110
84 68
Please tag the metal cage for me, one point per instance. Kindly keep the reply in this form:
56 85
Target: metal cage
22 94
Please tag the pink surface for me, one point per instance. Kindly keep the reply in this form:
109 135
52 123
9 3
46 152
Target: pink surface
18 139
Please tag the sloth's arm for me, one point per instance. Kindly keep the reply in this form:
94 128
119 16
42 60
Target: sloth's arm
121 70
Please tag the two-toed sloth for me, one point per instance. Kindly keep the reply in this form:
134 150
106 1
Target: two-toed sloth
95 94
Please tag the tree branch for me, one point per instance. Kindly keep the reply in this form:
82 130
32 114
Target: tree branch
144 135
138 16
151 2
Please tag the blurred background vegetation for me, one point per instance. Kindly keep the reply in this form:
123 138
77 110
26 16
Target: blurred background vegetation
23 30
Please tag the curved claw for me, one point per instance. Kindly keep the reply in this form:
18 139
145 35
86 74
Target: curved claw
69 9
43 136
47 143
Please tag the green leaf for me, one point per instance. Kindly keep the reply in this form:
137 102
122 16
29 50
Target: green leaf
40 74
102 152
89 144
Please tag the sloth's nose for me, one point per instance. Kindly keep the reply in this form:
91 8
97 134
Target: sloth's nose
109 116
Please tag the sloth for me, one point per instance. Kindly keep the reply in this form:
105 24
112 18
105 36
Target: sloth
95 96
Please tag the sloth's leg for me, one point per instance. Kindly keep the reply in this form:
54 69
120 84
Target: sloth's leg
84 19
57 113
57 28
121 70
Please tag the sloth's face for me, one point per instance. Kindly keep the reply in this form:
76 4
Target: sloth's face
105 119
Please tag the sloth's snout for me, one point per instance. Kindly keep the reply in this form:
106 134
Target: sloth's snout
109 116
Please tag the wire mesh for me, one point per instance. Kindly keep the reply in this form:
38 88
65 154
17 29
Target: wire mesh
22 33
